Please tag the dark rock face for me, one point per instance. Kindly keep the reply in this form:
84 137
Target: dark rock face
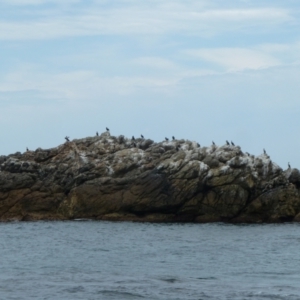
115 178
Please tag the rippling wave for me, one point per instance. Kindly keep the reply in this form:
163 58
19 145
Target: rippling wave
123 260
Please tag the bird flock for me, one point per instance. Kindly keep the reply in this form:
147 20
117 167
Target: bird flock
67 138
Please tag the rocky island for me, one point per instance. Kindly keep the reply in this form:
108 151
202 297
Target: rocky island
109 177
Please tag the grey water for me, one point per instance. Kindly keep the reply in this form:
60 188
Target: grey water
124 260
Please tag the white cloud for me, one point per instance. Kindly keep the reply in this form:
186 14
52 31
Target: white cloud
138 19
37 2
155 63
79 85
236 59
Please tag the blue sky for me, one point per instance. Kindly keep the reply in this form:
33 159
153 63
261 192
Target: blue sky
197 69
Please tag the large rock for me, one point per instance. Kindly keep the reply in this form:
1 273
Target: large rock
116 178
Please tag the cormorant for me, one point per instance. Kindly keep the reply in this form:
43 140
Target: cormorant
289 165
97 134
27 149
133 138
107 129
67 139
173 137
265 151
227 142
232 143
198 145
166 139
142 136
213 143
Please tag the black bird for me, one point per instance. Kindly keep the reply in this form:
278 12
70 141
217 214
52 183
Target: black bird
142 136
265 151
133 138
289 165
198 145
213 143
67 139
166 139
227 142
232 143
107 129
27 149
97 134
173 137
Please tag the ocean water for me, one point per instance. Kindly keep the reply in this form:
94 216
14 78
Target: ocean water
124 260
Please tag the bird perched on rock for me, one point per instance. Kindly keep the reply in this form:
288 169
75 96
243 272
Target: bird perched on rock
227 142
213 143
67 139
97 134
27 149
265 151
142 136
166 139
107 129
198 145
173 137
232 143
133 138
289 165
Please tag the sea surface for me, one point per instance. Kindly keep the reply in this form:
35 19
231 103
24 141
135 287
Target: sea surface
124 260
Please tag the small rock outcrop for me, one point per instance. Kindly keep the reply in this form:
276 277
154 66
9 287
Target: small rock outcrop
116 178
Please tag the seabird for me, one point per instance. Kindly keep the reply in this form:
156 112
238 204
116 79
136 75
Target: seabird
265 151
27 149
133 138
166 139
227 142
173 137
289 165
67 139
198 145
107 129
97 134
232 143
213 143
142 136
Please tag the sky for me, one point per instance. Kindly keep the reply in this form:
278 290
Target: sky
203 70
